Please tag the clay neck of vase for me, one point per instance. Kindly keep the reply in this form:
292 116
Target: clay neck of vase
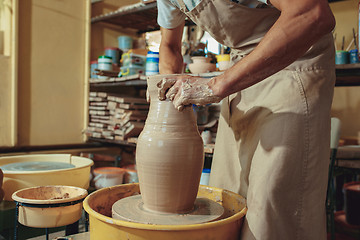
164 112
152 82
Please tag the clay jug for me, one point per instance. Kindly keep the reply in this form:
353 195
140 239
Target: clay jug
169 155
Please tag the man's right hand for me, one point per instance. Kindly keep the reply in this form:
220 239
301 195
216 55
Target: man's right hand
184 90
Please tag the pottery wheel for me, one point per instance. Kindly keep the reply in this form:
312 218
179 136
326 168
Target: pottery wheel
131 209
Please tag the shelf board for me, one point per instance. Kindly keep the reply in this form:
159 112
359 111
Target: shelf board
348 75
347 81
348 66
139 16
112 142
133 80
208 148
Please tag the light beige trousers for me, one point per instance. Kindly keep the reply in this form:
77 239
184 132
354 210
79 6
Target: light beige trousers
272 147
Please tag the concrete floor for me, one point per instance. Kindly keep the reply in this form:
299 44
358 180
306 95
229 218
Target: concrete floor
60 235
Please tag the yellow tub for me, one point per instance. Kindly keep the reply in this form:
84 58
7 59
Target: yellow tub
99 204
49 206
79 176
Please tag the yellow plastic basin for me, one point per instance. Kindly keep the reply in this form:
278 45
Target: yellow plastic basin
99 206
49 206
78 176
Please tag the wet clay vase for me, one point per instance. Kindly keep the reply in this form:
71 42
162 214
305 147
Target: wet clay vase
169 155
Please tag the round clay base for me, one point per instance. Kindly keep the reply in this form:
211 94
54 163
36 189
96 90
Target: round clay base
131 209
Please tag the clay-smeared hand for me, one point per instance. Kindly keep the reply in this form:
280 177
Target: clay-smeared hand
184 90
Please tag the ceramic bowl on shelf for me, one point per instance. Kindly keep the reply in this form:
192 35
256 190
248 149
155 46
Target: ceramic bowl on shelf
200 59
202 67
224 65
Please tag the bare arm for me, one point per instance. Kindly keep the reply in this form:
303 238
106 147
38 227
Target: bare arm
299 26
171 60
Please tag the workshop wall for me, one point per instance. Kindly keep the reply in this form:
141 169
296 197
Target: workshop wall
52 74
5 101
6 93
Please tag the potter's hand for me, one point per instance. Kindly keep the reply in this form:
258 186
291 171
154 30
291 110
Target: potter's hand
184 90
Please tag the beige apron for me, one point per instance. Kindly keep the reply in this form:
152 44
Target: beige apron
272 145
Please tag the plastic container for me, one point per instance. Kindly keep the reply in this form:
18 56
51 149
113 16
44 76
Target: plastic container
223 57
104 63
205 176
130 175
130 59
114 53
132 70
108 177
223 61
354 56
341 57
352 202
152 63
93 66
125 43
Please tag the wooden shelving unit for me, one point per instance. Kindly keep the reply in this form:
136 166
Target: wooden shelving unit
112 142
137 80
208 148
143 18
346 75
139 16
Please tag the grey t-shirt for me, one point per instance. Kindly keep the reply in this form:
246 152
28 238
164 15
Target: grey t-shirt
170 16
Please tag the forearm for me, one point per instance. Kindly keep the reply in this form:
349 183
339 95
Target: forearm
291 36
171 60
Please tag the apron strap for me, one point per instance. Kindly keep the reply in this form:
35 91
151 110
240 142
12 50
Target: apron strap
182 5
